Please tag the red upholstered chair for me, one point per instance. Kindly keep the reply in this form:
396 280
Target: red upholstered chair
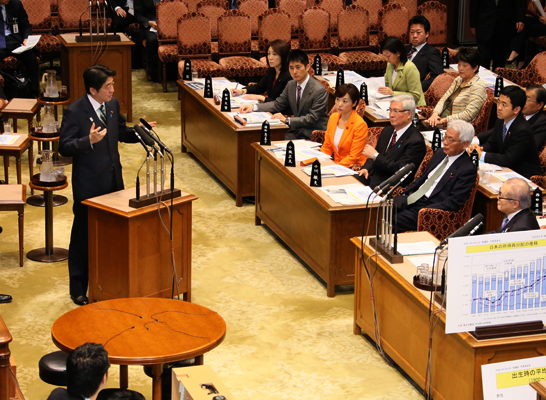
272 25
533 74
293 8
192 5
482 120
168 12
69 12
234 33
411 6
539 180
424 164
318 135
373 136
334 7
354 40
314 35
442 223
253 8
436 13
54 7
373 7
437 88
41 22
393 21
194 43
213 9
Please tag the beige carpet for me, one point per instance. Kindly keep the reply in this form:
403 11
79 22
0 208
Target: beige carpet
285 339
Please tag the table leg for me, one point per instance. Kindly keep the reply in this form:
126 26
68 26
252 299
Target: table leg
6 169
14 125
200 360
18 166
157 370
31 162
21 235
123 376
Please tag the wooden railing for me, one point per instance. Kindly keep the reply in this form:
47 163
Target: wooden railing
9 387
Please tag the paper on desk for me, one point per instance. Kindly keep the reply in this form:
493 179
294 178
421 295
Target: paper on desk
504 176
495 186
378 112
299 144
195 85
417 261
331 170
256 118
8 139
238 101
408 249
310 153
489 167
350 194
32 40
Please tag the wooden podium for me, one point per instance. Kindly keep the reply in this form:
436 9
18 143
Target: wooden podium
129 249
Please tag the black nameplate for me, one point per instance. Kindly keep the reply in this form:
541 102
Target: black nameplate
187 70
536 202
265 139
290 157
436 139
226 101
475 159
317 65
364 92
340 78
208 88
445 58
499 85
316 177
415 120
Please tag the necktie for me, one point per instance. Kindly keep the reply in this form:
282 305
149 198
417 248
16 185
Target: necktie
391 144
504 132
298 97
412 198
103 115
504 222
2 29
412 52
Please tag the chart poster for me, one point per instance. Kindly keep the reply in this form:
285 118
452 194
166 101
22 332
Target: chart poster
510 380
496 279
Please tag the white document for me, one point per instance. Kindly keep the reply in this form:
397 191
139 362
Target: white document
496 279
417 261
378 112
299 144
8 139
310 153
256 118
32 40
504 176
510 380
408 249
331 170
351 194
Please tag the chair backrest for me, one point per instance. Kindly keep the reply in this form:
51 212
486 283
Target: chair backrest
168 12
314 32
253 8
272 25
482 120
373 135
234 33
39 14
424 164
438 87
393 21
194 35
436 13
192 5
539 180
334 7
373 7
353 27
542 157
535 73
411 5
69 14
293 8
212 9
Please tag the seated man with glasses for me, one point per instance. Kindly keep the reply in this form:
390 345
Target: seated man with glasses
397 145
514 201
447 181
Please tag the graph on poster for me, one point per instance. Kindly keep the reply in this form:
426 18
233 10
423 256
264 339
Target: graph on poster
496 279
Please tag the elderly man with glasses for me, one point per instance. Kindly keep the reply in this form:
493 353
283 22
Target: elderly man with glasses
514 201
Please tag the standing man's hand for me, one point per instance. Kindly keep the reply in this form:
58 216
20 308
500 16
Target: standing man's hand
121 12
96 134
152 24
520 26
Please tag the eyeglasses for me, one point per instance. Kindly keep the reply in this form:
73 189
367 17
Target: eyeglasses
505 198
450 140
396 111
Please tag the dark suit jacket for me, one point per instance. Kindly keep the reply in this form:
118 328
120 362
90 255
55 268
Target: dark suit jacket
538 123
15 12
486 14
62 394
266 85
525 220
518 151
428 59
409 148
96 170
312 114
144 12
454 187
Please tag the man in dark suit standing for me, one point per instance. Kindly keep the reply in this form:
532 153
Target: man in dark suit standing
305 96
397 145
90 131
494 23
514 201
426 58
511 142
14 31
447 181
146 16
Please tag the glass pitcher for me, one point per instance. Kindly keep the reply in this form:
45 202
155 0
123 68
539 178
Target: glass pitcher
51 84
49 124
46 168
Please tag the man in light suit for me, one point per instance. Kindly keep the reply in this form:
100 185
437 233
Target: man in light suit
398 145
515 202
90 131
447 181
306 97
426 58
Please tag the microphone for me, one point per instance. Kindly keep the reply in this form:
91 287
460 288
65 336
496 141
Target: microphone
80 24
146 138
397 177
141 141
466 230
154 136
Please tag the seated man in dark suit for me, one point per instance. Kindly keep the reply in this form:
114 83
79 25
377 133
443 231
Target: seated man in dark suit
304 95
511 142
426 58
146 16
514 201
86 372
447 181
123 16
398 145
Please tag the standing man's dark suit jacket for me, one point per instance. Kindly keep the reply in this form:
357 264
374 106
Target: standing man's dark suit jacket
409 148
525 220
313 111
427 60
145 11
485 15
518 151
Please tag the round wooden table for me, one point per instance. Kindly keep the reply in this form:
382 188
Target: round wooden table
142 331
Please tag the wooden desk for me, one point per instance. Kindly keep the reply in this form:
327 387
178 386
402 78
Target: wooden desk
221 144
316 228
402 312
142 331
540 387
22 144
76 57
13 198
138 262
22 108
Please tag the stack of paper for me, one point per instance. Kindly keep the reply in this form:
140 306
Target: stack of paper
238 101
329 171
409 249
504 176
255 118
351 194
8 139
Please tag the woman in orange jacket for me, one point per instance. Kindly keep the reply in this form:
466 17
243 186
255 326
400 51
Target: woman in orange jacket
347 132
